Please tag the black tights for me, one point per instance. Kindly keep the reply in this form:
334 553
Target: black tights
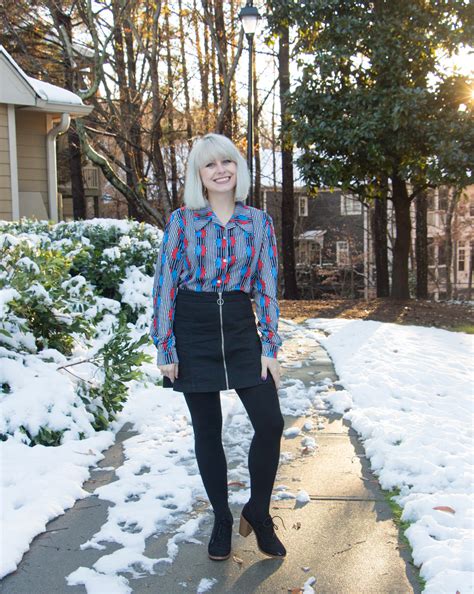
263 408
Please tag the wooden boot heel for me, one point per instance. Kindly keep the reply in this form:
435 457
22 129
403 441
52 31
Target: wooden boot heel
244 527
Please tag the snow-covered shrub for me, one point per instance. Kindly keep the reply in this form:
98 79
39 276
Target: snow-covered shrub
118 360
108 250
50 302
71 296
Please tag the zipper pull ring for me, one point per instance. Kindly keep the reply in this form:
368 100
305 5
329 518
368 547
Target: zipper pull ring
220 301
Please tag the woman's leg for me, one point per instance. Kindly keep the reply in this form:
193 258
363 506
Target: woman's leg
206 416
263 407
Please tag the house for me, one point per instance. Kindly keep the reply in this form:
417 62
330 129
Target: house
330 234
334 249
32 114
330 231
456 231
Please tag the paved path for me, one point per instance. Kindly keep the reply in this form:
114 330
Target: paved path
344 536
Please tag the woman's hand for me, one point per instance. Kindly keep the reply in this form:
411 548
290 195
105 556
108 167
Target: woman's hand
170 370
270 364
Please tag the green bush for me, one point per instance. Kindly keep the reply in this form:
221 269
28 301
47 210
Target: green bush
67 285
119 361
47 298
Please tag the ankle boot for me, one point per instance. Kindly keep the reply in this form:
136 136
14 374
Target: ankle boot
220 542
267 541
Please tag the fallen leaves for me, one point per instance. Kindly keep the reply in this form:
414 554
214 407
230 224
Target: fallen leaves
445 508
236 484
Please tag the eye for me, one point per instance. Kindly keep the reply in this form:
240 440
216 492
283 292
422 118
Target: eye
210 164
227 161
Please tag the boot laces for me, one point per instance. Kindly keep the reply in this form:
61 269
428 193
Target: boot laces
269 523
220 523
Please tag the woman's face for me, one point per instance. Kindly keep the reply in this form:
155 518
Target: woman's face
219 175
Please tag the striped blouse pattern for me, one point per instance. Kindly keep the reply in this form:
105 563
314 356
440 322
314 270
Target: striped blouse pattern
199 254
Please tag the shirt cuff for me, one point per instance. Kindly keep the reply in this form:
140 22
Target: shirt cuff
269 350
166 357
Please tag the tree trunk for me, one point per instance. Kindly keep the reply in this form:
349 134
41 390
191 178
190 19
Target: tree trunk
125 105
422 246
288 199
448 231
401 248
185 78
379 233
471 267
63 23
234 97
226 126
170 110
136 151
75 171
257 190
215 90
157 114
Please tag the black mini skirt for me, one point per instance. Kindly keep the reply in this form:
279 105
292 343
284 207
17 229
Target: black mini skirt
217 342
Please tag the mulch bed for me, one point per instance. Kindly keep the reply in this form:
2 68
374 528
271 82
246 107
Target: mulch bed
451 316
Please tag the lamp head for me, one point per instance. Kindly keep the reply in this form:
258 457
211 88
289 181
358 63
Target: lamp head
249 16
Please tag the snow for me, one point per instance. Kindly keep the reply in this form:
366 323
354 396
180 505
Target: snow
52 93
205 585
408 393
291 432
303 496
406 390
37 485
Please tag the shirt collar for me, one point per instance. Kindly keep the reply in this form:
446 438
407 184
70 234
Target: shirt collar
241 217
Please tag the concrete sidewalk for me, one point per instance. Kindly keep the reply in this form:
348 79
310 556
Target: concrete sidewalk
344 536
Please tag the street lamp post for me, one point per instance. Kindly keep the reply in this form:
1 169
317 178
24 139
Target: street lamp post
249 16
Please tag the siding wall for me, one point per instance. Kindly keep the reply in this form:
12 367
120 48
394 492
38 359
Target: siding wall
5 181
31 129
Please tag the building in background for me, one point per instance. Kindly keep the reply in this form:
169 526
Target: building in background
32 114
334 244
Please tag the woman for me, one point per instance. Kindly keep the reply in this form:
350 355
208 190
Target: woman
216 254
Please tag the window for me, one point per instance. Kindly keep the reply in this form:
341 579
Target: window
461 257
350 205
342 253
430 196
443 195
442 254
431 252
303 206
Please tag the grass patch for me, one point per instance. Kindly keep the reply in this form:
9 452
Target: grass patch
467 328
402 525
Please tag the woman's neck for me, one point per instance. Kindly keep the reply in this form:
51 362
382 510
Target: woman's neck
223 204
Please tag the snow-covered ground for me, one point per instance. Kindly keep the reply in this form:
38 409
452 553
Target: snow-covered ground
409 395
408 392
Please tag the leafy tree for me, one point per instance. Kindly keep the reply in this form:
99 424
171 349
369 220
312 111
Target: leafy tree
373 102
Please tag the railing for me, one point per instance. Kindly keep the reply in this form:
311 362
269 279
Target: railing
91 178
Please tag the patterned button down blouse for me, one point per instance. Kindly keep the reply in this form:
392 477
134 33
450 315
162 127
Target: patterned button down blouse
198 253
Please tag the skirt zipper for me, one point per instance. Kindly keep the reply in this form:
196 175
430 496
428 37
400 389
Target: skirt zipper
220 301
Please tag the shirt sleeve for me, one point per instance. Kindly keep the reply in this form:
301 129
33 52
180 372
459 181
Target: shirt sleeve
167 271
265 289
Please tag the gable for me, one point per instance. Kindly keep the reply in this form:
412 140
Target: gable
14 89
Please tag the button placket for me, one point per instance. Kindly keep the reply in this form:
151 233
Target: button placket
223 239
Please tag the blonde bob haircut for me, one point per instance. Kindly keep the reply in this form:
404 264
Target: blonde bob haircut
208 148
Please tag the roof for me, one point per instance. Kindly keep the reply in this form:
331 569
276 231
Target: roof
316 235
20 89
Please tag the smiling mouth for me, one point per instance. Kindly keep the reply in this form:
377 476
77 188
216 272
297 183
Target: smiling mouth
220 180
